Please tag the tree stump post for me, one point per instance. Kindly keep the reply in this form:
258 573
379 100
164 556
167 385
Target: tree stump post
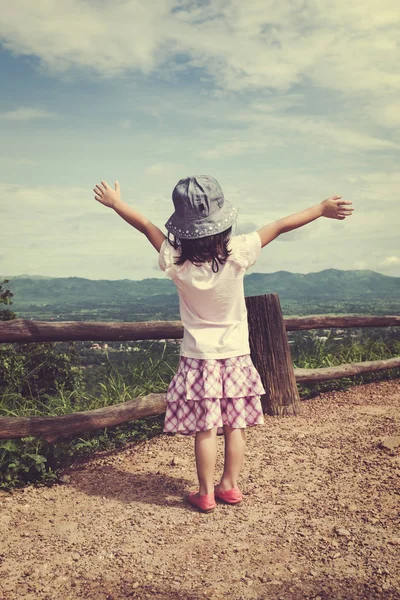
271 356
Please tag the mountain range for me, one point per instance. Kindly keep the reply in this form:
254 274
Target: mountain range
326 284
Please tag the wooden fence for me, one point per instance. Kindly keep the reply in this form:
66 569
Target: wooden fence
269 350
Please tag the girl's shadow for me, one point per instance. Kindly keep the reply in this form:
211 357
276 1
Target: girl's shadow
149 488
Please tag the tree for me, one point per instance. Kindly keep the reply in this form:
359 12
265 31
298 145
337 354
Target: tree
5 298
36 368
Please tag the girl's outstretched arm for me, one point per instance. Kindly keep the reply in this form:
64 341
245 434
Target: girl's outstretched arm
112 199
332 208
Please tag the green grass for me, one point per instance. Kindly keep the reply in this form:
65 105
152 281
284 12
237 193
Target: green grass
314 353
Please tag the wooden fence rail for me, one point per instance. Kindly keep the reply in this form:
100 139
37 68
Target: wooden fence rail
24 330
56 428
269 349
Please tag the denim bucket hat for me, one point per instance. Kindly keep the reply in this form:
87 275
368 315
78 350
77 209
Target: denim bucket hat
200 208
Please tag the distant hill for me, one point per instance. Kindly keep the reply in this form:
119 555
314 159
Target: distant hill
326 284
74 290
329 283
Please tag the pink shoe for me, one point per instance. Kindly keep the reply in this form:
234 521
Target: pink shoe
232 496
206 502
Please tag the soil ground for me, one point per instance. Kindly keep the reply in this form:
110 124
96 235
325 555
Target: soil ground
320 516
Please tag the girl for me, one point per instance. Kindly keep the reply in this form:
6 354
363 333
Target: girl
216 387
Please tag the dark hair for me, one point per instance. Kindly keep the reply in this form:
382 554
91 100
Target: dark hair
213 247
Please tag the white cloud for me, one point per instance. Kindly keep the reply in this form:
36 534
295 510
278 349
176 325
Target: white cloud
109 37
261 45
360 264
163 168
26 162
322 76
345 138
280 130
63 231
379 189
387 114
236 146
125 124
391 260
26 114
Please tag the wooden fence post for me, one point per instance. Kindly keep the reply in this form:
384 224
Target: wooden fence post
271 356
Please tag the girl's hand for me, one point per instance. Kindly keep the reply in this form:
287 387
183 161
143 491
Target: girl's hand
335 208
106 195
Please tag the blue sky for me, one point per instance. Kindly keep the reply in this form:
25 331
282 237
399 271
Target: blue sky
285 102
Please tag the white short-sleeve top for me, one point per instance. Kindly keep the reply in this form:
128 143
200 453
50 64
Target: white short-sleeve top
212 305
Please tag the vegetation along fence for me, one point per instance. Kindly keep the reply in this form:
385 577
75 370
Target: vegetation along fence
269 350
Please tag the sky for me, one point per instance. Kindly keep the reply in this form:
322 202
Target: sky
284 102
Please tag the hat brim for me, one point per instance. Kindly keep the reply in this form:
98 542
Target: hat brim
211 225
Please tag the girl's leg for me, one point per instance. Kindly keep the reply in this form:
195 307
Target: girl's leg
235 444
205 447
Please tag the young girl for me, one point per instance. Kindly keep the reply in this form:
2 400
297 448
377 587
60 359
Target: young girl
216 387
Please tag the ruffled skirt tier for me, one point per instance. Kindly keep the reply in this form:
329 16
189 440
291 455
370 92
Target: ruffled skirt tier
208 393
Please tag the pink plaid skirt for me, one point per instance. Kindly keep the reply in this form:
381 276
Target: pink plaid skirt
208 393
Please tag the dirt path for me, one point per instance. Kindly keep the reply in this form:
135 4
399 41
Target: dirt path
320 517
